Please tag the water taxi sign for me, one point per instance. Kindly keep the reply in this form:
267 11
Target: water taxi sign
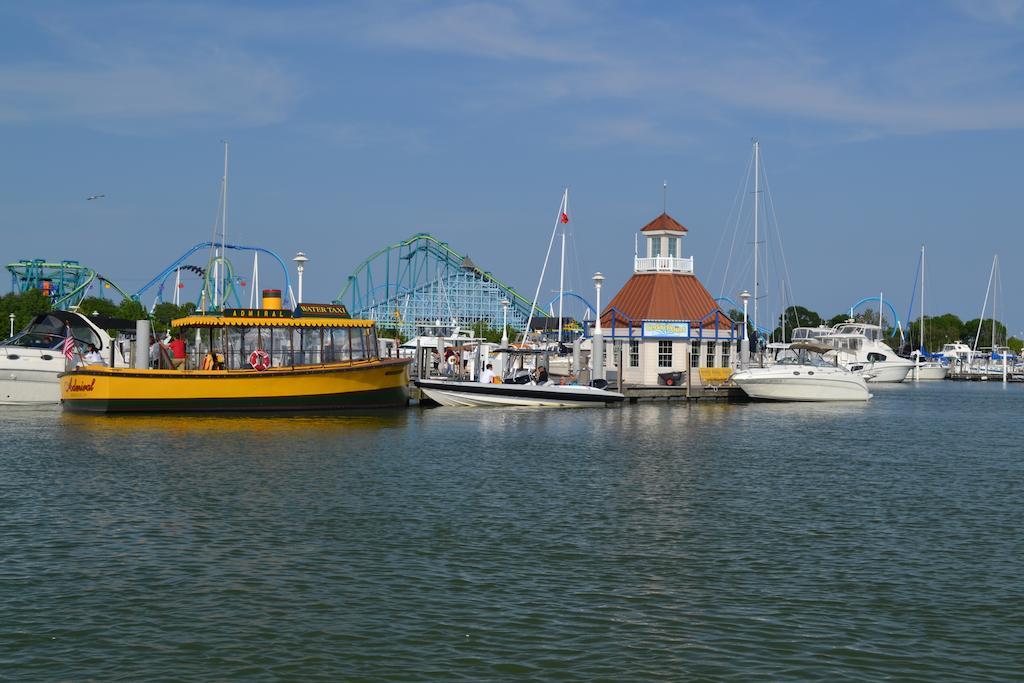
666 329
321 311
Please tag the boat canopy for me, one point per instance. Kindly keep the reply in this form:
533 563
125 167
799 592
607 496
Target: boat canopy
242 321
810 345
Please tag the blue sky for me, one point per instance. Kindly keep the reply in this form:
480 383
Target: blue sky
353 125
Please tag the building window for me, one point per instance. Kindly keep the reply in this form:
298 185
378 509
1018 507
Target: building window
725 355
711 355
665 353
672 246
656 246
694 354
634 353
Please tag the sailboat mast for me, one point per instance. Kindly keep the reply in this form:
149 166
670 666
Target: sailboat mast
757 200
561 272
922 299
995 292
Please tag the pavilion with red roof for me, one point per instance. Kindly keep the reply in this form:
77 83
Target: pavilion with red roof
666 320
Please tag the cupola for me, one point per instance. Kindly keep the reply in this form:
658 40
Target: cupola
663 240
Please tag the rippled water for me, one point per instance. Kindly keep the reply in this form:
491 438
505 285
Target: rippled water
657 541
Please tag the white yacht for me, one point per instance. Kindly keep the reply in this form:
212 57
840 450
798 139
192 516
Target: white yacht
31 360
859 347
801 373
958 355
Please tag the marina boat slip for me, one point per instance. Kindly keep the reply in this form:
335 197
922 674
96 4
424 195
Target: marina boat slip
32 360
250 360
859 347
801 373
544 395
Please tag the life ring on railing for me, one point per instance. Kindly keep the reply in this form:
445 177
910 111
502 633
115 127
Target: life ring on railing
259 360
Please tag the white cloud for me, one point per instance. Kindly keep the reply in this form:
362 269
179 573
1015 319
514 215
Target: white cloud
219 85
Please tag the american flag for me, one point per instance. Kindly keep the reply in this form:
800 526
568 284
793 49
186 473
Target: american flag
69 346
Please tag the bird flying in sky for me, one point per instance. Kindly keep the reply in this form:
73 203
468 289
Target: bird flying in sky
95 196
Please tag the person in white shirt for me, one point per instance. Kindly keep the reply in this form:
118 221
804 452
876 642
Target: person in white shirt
93 356
487 376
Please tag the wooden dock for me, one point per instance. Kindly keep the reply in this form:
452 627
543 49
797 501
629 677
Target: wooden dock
682 393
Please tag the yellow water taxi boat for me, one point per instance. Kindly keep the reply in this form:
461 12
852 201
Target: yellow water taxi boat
267 359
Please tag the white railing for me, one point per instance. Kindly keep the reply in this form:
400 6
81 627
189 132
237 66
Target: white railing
663 264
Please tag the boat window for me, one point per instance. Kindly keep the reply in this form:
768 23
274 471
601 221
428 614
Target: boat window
236 355
309 344
358 345
374 343
281 345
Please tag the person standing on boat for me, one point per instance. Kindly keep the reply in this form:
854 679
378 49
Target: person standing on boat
487 376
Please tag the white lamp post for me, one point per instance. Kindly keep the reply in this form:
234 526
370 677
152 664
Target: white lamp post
11 316
745 342
598 340
300 265
504 322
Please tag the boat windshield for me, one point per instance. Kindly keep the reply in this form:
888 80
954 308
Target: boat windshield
802 357
48 332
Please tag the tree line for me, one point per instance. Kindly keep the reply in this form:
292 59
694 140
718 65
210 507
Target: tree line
26 305
939 329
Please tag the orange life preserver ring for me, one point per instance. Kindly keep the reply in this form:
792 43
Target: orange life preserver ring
259 360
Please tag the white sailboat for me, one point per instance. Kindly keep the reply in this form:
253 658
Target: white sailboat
925 369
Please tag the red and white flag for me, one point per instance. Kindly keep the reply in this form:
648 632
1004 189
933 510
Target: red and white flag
69 345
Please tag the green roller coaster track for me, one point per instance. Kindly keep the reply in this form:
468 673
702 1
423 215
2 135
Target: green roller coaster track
66 282
420 281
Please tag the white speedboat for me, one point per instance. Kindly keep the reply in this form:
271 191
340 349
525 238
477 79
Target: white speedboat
927 369
31 360
859 347
478 395
801 374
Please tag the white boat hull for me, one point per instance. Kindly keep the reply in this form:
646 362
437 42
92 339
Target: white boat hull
821 386
28 380
884 371
929 372
477 395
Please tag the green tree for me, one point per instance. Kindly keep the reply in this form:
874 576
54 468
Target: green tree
939 330
795 316
1016 345
93 304
24 306
164 313
837 319
970 331
131 310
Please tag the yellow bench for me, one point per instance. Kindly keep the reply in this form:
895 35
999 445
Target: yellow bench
714 377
